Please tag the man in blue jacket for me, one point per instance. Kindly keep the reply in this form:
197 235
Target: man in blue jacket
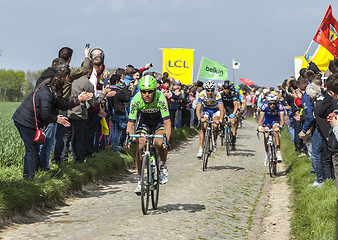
308 102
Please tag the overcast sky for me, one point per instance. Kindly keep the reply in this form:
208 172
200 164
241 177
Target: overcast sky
264 36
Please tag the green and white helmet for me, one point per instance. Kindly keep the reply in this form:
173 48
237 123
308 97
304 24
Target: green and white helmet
147 82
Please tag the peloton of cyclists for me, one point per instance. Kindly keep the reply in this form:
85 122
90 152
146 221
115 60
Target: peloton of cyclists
153 117
209 106
231 103
271 116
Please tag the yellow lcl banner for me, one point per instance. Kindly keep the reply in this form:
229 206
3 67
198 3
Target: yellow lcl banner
322 59
179 64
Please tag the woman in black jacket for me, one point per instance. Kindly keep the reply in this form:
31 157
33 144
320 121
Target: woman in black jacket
48 99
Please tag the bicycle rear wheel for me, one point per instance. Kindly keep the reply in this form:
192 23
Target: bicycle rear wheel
155 173
206 150
145 183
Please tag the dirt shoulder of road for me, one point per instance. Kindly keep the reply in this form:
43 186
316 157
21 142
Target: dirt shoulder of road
273 212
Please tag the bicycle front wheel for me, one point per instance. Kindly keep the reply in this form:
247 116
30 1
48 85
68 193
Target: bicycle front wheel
206 150
274 161
155 188
270 161
145 179
222 136
227 140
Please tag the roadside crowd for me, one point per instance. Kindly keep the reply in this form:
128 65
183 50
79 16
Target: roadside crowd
84 110
310 103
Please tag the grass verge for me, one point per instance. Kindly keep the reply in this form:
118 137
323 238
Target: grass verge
314 209
47 188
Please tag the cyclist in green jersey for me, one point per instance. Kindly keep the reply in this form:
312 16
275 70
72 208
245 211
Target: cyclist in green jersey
153 118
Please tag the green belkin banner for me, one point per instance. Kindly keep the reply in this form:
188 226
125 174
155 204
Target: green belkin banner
213 70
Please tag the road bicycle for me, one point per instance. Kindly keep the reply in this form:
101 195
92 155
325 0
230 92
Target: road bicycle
226 136
150 174
207 144
271 152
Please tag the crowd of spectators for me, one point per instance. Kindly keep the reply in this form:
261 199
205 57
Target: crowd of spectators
310 102
86 108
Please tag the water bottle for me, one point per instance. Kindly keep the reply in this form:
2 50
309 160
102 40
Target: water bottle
152 163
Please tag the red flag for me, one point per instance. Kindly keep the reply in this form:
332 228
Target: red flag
247 82
327 35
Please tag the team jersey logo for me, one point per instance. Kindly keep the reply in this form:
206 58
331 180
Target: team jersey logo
209 102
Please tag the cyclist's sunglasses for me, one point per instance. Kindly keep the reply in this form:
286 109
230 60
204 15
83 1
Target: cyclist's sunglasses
210 90
147 91
272 103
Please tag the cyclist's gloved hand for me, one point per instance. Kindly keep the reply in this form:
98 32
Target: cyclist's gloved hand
166 146
127 143
261 129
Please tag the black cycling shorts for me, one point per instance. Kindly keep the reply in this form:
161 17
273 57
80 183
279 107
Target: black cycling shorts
149 125
229 110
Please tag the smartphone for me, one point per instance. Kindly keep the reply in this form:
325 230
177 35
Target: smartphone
87 45
336 111
151 65
105 82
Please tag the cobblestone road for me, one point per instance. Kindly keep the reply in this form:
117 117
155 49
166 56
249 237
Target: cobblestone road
216 204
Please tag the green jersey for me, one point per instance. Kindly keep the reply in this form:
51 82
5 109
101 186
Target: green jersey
158 108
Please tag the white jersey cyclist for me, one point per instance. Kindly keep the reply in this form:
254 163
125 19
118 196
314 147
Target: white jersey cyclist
210 104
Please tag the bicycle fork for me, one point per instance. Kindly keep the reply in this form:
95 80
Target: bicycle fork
272 148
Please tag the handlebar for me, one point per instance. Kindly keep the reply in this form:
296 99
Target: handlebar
266 130
208 121
145 136
130 136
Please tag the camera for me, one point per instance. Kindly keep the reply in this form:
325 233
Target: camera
151 65
87 45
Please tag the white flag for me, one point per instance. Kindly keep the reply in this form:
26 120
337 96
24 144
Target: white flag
235 64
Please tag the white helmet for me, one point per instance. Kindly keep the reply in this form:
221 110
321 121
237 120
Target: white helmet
271 97
209 85
265 91
257 92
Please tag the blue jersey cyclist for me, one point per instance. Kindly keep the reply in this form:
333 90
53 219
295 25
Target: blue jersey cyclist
209 106
271 116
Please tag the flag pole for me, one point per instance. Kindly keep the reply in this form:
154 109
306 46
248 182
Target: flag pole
316 51
309 46
199 69
233 74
